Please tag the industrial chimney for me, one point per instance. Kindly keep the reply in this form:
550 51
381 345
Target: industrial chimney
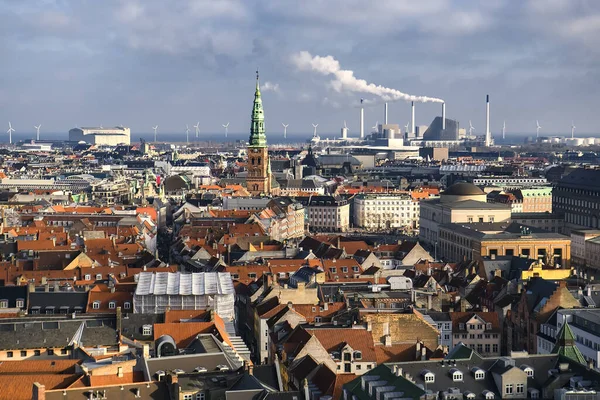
362 119
443 116
385 113
412 121
488 139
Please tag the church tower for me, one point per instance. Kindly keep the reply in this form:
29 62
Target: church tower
258 181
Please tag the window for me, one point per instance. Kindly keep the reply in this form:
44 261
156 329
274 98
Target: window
252 275
495 348
188 396
23 353
3 303
344 269
487 348
318 320
357 355
508 389
429 377
96 305
479 375
87 277
37 353
112 305
9 354
50 352
520 388
98 277
147 330
200 396
63 351
333 270
457 376
20 303
127 305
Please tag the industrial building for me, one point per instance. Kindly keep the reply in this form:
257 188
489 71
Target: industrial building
105 136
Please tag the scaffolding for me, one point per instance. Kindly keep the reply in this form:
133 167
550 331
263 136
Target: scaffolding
158 291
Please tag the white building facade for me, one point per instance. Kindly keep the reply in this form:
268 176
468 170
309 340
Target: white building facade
385 211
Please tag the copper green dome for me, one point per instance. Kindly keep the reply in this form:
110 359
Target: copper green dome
463 189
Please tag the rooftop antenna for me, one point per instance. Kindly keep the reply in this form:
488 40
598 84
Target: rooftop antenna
315 131
226 126
197 128
285 130
187 133
503 130
10 131
537 129
471 128
155 129
37 129
572 129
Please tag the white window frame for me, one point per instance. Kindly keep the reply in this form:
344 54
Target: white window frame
87 277
20 303
127 305
112 305
147 330
96 305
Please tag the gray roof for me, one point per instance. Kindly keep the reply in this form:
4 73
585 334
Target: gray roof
582 178
57 331
501 231
187 362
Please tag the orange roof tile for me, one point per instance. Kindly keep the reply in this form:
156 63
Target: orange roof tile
183 333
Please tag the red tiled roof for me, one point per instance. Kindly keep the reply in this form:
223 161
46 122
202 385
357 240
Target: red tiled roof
183 333
333 339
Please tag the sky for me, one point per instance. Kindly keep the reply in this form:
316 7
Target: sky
139 63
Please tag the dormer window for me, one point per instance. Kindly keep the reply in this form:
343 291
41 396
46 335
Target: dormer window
358 355
4 303
96 305
488 395
456 375
528 370
428 376
20 303
461 326
98 277
147 330
478 373
127 305
112 305
87 277
488 326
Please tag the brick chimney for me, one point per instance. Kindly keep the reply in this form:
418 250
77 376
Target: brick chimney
38 392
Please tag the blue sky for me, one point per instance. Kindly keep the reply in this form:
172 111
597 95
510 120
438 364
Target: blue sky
171 63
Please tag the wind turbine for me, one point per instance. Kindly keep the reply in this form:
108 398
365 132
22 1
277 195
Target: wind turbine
503 130
10 131
187 133
315 131
37 128
197 128
471 128
155 128
226 126
572 129
285 130
406 127
376 126
537 129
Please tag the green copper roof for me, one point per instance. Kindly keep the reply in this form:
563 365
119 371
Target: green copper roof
565 345
258 138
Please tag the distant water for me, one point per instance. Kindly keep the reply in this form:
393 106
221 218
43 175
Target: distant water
272 138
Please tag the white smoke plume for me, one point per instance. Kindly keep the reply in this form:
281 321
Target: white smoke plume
344 80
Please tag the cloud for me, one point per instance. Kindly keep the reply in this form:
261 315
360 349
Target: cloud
270 87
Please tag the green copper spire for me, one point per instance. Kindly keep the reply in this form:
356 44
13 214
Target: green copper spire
258 137
565 345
